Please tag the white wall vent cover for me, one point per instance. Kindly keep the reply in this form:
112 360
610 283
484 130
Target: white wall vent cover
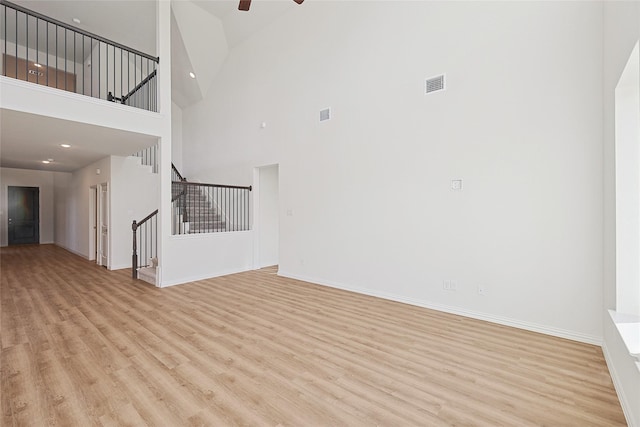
325 114
435 84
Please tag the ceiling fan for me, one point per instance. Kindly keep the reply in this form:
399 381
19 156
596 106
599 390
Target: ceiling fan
245 4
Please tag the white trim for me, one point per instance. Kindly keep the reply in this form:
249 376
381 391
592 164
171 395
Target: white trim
76 96
255 216
628 326
196 236
534 327
617 384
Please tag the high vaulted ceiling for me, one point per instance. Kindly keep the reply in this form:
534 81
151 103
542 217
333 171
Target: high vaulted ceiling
201 41
203 32
238 25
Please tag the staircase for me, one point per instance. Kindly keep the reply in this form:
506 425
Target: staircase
148 273
145 252
197 213
195 209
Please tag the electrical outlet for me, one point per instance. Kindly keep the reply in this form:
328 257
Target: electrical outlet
449 285
482 290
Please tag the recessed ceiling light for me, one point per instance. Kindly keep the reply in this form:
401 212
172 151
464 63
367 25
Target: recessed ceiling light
46 162
76 20
65 145
37 65
193 76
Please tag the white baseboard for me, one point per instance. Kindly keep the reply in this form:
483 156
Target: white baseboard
617 383
196 278
81 255
543 329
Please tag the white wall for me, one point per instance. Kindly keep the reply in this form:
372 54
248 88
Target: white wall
621 33
73 199
369 190
18 95
171 253
627 147
134 194
194 257
28 178
267 220
64 228
176 136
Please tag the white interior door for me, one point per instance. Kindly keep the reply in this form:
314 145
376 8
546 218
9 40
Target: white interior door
93 225
103 225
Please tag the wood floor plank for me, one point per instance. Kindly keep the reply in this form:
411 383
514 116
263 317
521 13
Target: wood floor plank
20 373
85 346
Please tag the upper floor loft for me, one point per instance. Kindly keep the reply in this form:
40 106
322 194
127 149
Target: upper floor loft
123 67
60 83
42 50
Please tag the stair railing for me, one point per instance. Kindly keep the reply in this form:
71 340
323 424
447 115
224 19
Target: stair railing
55 54
146 240
196 208
175 174
149 157
208 208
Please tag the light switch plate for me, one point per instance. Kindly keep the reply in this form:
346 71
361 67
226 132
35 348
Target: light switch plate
456 184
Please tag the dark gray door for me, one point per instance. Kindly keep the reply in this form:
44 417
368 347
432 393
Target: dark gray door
24 215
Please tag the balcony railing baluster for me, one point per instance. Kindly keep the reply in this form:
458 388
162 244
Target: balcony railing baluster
98 58
208 208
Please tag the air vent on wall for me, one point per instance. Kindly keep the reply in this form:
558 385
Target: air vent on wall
325 114
435 84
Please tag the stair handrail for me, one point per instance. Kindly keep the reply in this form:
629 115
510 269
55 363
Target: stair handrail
176 173
199 184
182 180
230 201
134 257
137 88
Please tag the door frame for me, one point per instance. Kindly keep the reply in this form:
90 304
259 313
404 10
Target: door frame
93 223
259 225
102 252
37 225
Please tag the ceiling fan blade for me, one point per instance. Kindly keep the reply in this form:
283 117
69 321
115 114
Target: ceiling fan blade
298 1
245 5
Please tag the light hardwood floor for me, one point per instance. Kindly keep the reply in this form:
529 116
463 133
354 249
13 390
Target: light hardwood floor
83 346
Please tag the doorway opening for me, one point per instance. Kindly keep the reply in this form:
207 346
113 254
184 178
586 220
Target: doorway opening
267 216
24 215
